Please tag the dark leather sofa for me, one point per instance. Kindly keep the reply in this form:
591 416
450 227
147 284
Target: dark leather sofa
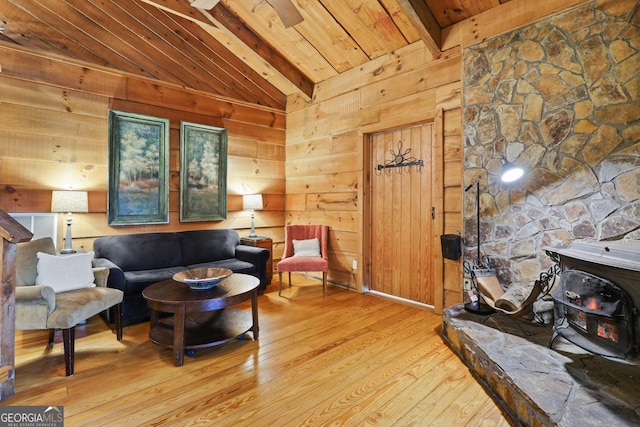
136 261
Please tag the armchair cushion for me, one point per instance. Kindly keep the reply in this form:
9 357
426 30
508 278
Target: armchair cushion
65 273
73 307
304 263
306 247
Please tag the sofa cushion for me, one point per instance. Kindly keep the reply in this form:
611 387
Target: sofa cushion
136 281
145 251
208 245
238 266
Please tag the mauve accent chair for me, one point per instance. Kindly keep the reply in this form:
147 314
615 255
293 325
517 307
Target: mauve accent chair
290 262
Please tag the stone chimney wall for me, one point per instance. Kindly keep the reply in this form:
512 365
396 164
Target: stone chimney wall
561 98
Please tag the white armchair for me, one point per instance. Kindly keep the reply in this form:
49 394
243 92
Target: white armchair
40 307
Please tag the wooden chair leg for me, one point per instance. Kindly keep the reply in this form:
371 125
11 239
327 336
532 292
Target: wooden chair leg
280 286
52 336
289 279
118 318
324 283
69 338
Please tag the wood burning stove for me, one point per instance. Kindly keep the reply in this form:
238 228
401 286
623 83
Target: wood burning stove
595 303
594 313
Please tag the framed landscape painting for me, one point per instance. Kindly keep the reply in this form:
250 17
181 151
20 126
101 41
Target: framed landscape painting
138 169
203 172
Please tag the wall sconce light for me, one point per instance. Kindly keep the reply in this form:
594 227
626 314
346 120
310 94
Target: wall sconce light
252 202
69 201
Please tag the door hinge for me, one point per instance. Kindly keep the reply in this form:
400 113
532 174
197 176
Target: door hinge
433 212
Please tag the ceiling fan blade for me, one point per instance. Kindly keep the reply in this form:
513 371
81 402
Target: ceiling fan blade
287 12
204 4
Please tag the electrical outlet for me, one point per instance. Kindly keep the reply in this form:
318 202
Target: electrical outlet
354 264
466 284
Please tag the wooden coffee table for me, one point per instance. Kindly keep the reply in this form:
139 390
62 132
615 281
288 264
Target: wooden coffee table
201 317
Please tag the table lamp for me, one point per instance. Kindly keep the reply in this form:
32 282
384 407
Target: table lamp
252 202
69 201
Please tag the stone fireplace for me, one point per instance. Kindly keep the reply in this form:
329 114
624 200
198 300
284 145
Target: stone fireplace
560 97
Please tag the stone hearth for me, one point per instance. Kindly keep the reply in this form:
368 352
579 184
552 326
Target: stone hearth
564 386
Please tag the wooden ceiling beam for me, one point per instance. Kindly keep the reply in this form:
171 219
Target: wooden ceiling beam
425 23
231 32
222 15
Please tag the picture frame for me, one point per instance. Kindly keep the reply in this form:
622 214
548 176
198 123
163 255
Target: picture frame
138 169
203 172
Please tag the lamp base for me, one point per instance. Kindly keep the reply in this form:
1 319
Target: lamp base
68 251
479 308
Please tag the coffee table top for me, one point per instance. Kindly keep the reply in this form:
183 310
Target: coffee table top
229 291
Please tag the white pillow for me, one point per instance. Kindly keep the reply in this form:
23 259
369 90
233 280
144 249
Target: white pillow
66 272
309 247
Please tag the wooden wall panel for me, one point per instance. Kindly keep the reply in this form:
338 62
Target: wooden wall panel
317 183
53 98
53 122
61 72
28 119
53 135
324 153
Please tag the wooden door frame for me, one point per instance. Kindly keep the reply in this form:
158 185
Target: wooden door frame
436 118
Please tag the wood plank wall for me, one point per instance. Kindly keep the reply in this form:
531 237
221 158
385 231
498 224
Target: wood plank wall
53 135
325 175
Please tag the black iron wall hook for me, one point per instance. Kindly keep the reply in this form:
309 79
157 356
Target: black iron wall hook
400 160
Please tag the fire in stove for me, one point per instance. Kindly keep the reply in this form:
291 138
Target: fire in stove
608 331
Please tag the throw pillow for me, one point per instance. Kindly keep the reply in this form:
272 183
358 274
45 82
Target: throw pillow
308 247
65 273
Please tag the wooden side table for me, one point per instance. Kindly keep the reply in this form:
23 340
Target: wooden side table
262 242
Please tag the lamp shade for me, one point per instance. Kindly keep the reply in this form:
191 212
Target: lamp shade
252 201
69 201
511 172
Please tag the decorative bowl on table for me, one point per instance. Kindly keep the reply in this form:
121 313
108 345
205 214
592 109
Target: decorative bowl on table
202 278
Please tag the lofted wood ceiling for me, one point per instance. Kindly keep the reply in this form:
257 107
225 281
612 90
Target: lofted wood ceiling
240 49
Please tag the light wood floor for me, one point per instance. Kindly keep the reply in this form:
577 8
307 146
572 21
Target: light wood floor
348 359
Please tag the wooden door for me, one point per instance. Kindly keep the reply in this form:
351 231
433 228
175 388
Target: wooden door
402 230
